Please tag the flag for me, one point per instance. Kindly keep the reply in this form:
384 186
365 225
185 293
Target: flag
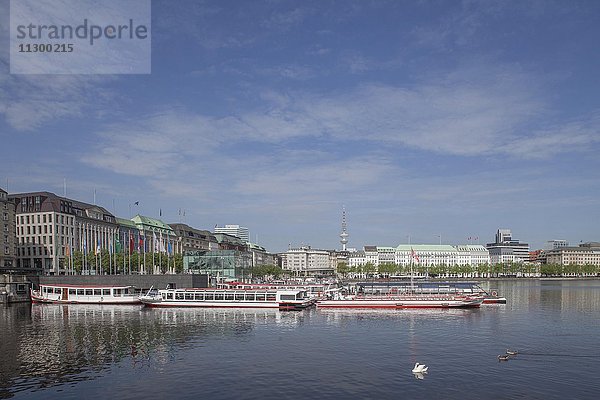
84 246
131 246
110 248
97 246
169 248
160 212
67 250
414 255
161 243
141 246
154 242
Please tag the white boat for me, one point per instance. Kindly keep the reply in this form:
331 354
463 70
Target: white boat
339 300
84 294
430 287
234 298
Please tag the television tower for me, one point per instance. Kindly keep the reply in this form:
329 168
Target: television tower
344 235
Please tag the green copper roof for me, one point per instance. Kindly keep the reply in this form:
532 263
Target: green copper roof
126 222
425 247
151 222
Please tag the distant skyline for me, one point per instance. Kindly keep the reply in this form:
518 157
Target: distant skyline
423 118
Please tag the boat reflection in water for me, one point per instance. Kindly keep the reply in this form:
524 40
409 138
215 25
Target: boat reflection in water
65 343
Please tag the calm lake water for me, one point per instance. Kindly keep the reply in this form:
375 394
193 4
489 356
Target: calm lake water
128 352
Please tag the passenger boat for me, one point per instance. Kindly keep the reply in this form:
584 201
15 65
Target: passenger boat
337 299
314 290
235 298
430 287
84 294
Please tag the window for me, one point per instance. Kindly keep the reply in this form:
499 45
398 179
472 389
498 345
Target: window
88 292
105 292
72 291
199 296
80 292
97 292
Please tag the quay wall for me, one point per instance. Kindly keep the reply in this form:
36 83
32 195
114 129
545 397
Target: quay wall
14 288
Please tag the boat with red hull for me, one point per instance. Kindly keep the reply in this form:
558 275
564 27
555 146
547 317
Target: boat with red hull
338 300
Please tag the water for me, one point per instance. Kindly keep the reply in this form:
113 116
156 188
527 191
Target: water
128 352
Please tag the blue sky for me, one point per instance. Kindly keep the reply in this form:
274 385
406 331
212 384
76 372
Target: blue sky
423 118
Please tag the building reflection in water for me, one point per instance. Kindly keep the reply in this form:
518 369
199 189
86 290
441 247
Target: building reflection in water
47 345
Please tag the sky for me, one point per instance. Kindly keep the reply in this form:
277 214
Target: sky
428 121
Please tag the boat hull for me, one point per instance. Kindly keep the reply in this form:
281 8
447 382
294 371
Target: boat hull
215 304
400 303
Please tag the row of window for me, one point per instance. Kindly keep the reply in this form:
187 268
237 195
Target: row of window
216 296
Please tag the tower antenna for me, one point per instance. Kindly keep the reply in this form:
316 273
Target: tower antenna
344 234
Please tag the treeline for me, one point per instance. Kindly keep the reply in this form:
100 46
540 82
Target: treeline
470 271
120 263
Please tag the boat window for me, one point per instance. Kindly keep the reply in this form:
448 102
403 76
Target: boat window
88 292
209 296
71 291
163 295
179 296
189 296
249 297
271 297
219 296
169 296
288 297
260 297
199 296
105 292
79 292
57 290
229 296
117 292
239 296
97 292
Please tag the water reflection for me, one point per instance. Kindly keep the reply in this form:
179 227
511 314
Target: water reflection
45 345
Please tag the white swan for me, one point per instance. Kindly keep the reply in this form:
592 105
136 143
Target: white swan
419 368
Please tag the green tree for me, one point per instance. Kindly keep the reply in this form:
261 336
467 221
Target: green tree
342 268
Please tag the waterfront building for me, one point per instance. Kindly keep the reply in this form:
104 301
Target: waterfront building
356 259
426 254
8 237
304 261
234 230
193 239
584 254
472 254
49 228
556 244
260 256
506 249
230 242
219 264
156 236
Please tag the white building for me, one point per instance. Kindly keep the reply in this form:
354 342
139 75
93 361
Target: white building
472 254
234 230
426 254
305 261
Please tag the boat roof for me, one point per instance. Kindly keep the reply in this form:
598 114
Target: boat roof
66 285
417 283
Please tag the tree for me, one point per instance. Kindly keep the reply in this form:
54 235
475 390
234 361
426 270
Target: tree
387 269
342 268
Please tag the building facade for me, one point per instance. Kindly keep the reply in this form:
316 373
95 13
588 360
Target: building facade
8 237
506 249
306 261
193 239
584 254
50 228
234 230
